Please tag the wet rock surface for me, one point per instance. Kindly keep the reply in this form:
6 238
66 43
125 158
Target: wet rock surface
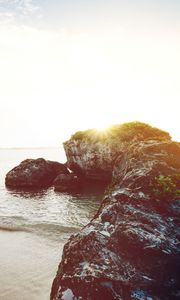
34 173
67 183
131 248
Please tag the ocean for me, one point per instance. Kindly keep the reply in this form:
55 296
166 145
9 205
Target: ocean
34 228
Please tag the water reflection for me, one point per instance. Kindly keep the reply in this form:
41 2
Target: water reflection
87 189
28 193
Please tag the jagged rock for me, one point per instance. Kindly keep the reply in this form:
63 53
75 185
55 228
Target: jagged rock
34 173
131 248
67 183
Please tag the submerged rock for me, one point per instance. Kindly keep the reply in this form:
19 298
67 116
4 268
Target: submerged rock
131 248
67 183
34 173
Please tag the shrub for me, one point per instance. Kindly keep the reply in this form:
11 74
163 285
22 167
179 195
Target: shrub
166 187
138 131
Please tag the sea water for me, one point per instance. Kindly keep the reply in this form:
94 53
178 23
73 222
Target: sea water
34 226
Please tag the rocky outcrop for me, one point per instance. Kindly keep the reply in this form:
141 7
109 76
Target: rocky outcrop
131 248
92 154
67 183
34 173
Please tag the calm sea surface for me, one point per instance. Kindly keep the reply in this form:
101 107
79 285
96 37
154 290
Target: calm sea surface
34 227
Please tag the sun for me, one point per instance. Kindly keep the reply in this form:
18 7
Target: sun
102 131
102 126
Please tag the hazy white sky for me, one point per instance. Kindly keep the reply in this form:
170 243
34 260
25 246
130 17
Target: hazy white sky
68 65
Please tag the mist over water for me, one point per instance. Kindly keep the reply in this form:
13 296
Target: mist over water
34 226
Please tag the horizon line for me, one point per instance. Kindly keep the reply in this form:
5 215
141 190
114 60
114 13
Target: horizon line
30 147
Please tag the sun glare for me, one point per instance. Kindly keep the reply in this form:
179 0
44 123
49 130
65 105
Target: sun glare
102 130
102 127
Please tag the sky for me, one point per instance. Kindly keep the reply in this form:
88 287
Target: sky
68 65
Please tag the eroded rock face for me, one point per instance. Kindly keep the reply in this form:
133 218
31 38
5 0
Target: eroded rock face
34 173
92 160
131 248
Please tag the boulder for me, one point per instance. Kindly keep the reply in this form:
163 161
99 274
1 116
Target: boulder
130 250
34 173
67 183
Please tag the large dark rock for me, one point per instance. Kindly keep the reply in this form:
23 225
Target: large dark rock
67 183
34 173
131 248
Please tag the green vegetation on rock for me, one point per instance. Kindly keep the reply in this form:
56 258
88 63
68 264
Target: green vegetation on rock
132 131
166 187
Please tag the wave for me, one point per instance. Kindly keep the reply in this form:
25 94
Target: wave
13 217
12 228
43 228
54 228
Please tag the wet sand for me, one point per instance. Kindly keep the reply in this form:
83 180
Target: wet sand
28 264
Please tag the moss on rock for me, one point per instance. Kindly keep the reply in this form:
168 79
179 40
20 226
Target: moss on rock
132 131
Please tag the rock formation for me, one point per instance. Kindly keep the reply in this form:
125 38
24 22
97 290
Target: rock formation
131 248
67 183
93 154
34 173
